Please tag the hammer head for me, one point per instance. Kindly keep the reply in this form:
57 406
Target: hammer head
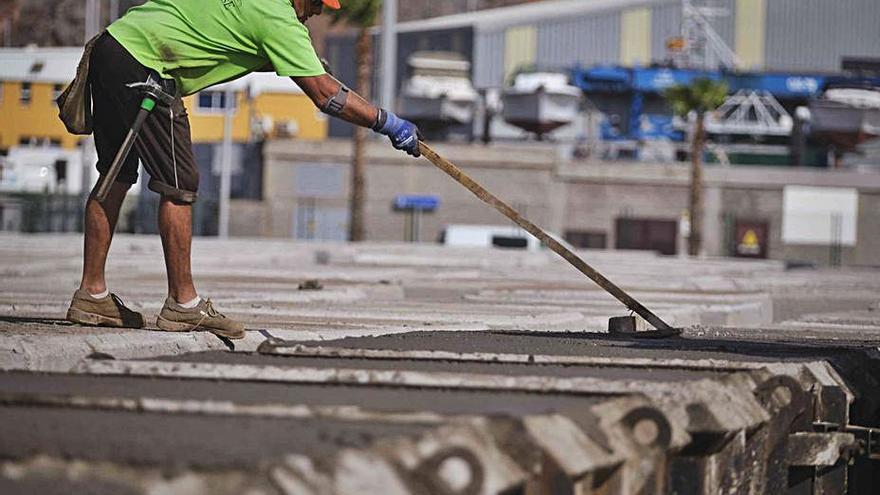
153 89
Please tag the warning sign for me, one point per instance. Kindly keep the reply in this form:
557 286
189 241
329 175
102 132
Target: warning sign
751 239
748 245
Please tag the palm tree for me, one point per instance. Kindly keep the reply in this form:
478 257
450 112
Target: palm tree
361 14
700 97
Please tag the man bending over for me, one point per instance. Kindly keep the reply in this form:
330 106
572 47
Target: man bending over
189 45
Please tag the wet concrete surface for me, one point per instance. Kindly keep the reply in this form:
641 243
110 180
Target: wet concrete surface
138 438
374 398
642 373
53 486
726 344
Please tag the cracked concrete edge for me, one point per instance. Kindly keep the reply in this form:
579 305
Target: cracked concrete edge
61 353
815 372
731 404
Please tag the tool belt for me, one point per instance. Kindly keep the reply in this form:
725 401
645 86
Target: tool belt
75 102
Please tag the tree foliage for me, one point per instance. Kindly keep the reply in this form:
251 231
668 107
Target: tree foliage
701 96
356 13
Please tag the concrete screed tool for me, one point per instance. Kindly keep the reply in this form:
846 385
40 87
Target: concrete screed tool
620 325
153 93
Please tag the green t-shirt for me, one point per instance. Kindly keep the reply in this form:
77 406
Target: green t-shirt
205 42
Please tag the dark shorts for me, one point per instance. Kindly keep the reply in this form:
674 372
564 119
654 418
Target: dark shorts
173 171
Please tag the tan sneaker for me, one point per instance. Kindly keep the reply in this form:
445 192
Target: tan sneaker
108 311
176 318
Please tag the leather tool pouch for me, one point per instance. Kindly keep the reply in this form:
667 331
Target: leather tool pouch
75 102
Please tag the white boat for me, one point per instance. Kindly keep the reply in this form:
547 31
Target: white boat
540 102
846 117
439 90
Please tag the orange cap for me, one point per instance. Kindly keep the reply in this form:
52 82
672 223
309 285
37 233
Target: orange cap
333 4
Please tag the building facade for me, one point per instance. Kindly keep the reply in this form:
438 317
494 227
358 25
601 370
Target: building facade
31 79
749 210
766 35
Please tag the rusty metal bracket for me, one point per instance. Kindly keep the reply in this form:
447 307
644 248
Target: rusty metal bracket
820 449
869 440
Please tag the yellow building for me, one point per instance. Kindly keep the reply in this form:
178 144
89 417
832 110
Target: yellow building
31 79
266 105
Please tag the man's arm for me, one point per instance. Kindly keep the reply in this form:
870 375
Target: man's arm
321 88
327 94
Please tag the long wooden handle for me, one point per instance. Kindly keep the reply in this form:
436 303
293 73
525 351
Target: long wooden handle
490 199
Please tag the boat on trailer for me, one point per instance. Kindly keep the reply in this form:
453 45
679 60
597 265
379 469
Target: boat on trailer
541 102
846 116
439 93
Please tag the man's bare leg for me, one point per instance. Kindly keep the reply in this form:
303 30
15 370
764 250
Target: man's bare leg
175 228
100 223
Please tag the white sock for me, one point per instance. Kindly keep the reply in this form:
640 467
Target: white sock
102 295
190 304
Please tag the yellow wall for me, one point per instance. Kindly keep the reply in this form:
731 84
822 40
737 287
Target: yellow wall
207 126
520 48
635 37
312 123
751 20
39 118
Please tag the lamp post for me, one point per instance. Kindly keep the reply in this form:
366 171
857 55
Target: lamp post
92 19
389 53
226 163
114 10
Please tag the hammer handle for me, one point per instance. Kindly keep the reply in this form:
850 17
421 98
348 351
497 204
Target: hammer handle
109 178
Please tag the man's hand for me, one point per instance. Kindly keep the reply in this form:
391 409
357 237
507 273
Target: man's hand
404 134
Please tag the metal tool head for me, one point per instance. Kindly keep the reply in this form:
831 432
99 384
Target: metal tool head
154 90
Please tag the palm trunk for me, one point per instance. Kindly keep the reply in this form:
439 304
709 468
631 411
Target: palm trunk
364 51
695 241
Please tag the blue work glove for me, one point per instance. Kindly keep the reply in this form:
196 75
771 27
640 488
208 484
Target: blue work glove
404 134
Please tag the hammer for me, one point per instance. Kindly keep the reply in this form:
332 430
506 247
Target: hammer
153 92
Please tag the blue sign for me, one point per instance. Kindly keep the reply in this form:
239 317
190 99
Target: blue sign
779 85
659 80
416 202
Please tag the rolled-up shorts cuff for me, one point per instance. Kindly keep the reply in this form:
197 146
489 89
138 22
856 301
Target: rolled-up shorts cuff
174 194
122 178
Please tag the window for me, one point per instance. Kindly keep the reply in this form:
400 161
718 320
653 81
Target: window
25 96
212 101
647 234
584 239
56 92
34 141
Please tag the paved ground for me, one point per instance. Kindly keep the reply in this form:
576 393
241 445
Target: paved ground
412 360
383 289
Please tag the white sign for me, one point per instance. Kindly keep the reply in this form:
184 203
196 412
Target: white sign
819 215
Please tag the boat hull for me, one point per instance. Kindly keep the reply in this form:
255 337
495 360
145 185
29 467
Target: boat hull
540 111
843 125
440 110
